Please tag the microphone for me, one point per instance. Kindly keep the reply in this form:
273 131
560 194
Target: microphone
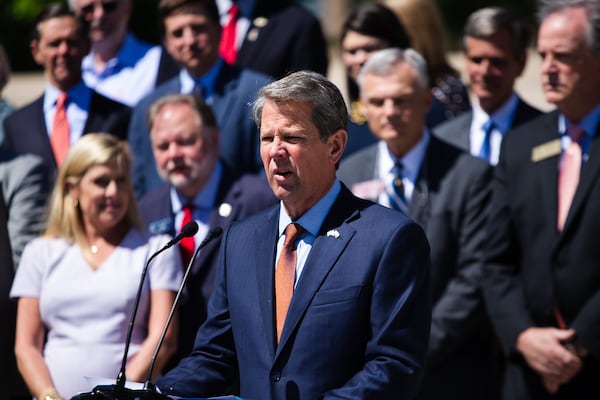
118 391
212 235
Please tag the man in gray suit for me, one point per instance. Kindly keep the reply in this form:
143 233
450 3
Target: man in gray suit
495 46
24 186
446 191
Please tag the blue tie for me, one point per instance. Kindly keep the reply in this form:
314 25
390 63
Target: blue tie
398 199
198 90
486 149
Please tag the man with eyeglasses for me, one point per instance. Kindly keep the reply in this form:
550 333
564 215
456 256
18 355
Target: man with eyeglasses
120 65
495 46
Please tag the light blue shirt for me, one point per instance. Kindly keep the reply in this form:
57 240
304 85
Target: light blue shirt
503 120
203 202
311 221
78 105
129 76
411 164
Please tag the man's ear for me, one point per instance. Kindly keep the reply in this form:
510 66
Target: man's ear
35 51
337 143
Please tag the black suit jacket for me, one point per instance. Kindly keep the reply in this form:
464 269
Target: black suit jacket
235 200
530 265
25 130
283 37
450 201
457 130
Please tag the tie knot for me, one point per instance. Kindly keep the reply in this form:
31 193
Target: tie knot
233 11
575 132
488 126
292 234
62 99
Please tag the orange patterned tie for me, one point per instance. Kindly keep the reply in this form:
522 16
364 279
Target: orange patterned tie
568 175
285 273
60 136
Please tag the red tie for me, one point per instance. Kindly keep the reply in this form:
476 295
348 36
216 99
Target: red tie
60 136
285 273
568 175
227 47
186 246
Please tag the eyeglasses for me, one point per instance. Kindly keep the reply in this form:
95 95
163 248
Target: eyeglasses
107 7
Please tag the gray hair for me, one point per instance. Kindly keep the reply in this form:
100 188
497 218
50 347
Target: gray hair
382 62
486 22
592 12
329 112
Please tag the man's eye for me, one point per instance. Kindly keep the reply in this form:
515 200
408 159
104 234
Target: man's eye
177 33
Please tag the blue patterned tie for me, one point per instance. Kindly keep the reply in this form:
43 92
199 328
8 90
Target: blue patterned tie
398 199
486 148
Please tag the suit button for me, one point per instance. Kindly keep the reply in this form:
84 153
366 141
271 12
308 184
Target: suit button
276 376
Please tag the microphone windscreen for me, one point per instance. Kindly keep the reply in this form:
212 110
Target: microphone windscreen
189 229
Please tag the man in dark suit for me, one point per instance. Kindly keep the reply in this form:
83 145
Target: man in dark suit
300 41
185 140
192 35
495 45
446 191
542 281
24 188
344 311
59 43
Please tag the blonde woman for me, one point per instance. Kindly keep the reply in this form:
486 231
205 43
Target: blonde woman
76 285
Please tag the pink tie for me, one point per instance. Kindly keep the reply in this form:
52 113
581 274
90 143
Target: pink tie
285 273
227 47
568 175
60 136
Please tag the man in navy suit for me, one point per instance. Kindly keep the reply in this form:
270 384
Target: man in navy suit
446 191
495 45
59 43
185 141
192 35
358 320
300 41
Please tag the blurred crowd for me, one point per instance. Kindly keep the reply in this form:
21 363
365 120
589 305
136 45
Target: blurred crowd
130 141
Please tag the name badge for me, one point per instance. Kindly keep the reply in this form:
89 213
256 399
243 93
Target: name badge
546 150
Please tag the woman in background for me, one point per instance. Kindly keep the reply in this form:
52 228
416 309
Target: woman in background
76 285
423 22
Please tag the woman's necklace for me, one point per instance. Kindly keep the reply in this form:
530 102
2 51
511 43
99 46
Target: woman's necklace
94 249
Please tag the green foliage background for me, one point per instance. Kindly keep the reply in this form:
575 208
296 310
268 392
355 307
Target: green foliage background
16 18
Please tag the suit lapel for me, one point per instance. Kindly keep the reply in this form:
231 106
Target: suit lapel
42 132
265 271
548 168
329 244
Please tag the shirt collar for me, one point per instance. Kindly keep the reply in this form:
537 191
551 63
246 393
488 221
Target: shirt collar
205 199
589 123
502 117
312 219
411 161
208 80
79 94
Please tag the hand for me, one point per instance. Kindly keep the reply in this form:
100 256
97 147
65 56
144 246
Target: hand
545 352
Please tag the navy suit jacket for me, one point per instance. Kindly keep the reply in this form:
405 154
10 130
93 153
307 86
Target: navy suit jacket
25 129
451 202
530 265
457 131
245 196
300 42
235 88
358 322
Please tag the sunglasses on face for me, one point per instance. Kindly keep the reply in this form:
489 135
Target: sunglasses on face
107 7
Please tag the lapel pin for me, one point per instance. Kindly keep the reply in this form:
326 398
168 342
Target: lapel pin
333 233
225 210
